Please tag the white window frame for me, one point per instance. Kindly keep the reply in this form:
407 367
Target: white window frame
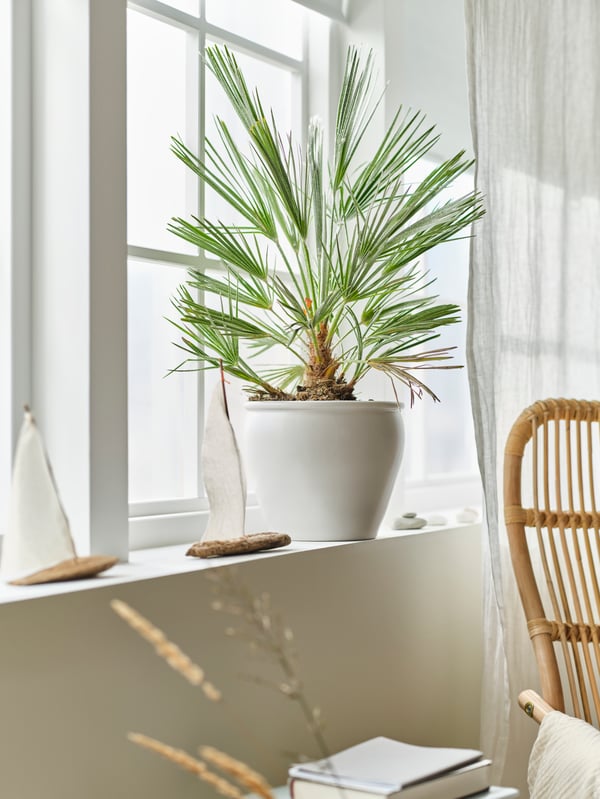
67 247
66 240
15 250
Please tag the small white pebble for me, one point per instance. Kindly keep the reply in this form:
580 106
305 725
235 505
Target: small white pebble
408 522
467 515
437 519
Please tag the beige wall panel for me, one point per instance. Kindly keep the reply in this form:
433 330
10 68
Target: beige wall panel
389 639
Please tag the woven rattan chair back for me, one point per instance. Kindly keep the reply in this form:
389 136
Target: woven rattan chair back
551 469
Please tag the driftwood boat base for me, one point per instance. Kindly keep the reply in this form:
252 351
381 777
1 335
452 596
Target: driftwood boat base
238 546
72 569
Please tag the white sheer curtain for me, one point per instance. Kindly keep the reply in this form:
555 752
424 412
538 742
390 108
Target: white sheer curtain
534 297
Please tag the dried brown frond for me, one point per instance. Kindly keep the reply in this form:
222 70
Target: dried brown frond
264 631
188 763
249 779
166 649
210 692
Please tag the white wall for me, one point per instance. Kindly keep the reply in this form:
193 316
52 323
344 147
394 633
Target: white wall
425 61
388 634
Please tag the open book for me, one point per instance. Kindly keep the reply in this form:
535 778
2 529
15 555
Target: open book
382 767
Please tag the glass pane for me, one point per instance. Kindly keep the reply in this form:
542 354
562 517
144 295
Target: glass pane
449 262
163 409
449 265
277 24
449 433
278 90
159 186
439 436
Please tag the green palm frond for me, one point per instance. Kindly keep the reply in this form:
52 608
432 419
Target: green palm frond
286 377
354 113
237 182
324 264
233 245
251 292
276 158
402 146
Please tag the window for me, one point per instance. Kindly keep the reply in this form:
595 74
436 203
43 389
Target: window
176 95
63 278
64 319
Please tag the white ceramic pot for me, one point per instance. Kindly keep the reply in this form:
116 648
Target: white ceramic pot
323 471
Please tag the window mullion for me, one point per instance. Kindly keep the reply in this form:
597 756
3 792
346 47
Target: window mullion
199 106
248 47
165 13
18 235
15 238
164 256
335 9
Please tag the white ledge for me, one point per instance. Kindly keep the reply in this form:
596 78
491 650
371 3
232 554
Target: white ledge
150 564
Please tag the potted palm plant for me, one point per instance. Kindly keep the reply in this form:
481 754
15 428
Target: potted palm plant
321 275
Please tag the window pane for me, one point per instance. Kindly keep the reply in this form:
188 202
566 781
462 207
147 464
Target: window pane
277 24
439 436
159 186
449 263
163 416
278 90
450 437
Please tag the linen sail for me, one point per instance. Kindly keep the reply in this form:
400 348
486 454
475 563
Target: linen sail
223 473
38 535
38 546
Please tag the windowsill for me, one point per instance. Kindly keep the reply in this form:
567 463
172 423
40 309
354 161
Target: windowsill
151 564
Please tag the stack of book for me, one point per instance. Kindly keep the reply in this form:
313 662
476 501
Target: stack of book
385 769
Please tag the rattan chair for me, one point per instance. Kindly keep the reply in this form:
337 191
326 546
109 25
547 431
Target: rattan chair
551 469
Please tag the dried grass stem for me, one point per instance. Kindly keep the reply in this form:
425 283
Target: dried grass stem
247 777
187 763
166 649
257 623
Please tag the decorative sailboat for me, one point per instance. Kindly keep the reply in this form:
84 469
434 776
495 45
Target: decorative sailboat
225 485
38 546
223 473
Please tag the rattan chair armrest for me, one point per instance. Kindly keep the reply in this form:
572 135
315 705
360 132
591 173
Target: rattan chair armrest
534 705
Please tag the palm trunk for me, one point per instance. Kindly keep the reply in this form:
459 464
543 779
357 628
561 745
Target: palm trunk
321 379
